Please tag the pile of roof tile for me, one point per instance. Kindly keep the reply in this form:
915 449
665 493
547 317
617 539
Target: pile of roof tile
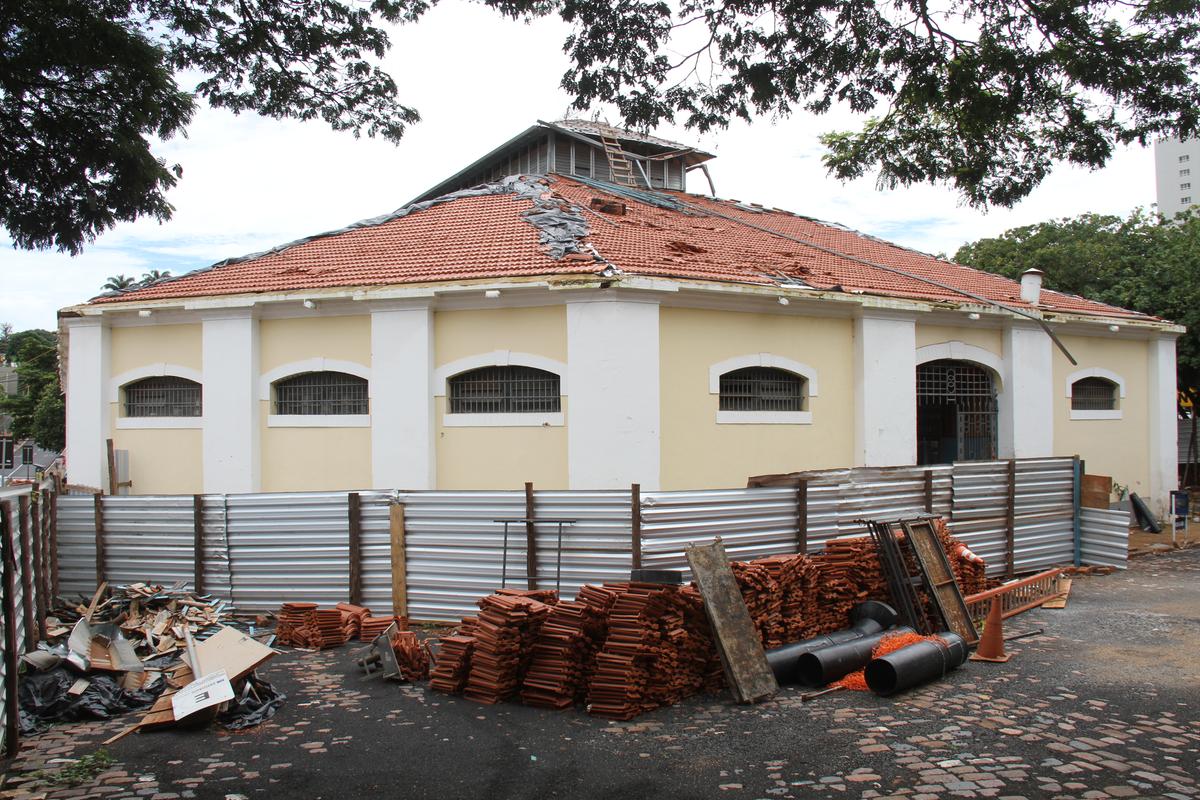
309 626
796 577
372 627
763 598
453 665
411 656
505 631
969 569
564 653
293 623
352 619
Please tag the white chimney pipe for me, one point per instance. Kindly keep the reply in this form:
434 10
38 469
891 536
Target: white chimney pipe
1031 286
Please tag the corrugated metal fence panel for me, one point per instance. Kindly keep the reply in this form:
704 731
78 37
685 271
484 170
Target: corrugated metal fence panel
889 494
288 548
752 523
76 545
595 549
217 580
375 548
980 490
1105 537
1043 540
149 539
453 549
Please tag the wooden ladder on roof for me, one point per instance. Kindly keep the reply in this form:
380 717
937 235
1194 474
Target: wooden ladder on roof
622 170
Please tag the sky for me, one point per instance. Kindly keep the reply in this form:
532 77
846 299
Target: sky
250 183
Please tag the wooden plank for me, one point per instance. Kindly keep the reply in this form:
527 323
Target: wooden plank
98 516
746 669
530 538
928 491
27 567
1096 491
635 517
8 591
802 516
354 531
112 466
399 561
52 549
198 544
1010 524
39 565
939 578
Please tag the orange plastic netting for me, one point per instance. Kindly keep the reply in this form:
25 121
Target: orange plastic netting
856 681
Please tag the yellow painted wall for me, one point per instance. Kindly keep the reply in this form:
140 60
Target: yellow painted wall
162 460
989 339
282 341
314 459
541 331
138 346
500 458
697 453
1116 448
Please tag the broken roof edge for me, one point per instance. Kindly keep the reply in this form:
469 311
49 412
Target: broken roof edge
519 185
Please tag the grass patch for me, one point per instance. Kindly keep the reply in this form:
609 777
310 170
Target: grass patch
81 771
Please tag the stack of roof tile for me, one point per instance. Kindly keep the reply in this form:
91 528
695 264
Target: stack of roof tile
796 578
564 653
411 656
969 569
506 629
328 629
293 623
352 618
371 627
453 664
763 597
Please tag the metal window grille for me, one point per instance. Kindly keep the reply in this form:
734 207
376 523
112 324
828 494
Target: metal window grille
163 396
1093 394
505 390
956 413
6 453
321 393
761 389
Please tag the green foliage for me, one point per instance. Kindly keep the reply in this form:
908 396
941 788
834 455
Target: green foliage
85 85
1140 262
37 409
81 771
117 283
983 94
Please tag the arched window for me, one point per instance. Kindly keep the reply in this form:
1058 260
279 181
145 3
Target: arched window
761 389
510 389
163 396
321 393
1093 394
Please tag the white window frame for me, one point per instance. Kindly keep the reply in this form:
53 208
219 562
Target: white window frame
500 358
116 392
805 371
266 389
1096 372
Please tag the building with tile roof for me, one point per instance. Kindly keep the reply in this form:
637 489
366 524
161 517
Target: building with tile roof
564 310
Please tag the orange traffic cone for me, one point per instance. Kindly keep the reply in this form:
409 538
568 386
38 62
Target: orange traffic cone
991 646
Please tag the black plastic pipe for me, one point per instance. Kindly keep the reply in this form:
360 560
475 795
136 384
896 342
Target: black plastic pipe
916 664
866 619
821 667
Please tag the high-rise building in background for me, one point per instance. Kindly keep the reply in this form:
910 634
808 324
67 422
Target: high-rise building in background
1174 164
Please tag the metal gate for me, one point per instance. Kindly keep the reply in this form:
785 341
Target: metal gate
956 413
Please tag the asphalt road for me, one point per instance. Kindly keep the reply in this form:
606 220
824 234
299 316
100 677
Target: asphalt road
1105 703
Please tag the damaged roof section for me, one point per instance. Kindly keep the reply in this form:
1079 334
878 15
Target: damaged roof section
515 227
524 226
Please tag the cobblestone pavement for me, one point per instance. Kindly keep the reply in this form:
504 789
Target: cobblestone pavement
1103 704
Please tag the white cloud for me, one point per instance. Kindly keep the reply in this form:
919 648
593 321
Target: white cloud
250 183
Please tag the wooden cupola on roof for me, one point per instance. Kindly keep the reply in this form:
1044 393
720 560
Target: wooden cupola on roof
585 149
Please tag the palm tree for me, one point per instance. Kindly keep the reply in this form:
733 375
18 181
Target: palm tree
154 275
118 283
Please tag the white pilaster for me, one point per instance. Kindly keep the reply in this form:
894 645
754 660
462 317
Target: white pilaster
87 403
613 422
885 390
232 444
1026 413
1164 474
403 455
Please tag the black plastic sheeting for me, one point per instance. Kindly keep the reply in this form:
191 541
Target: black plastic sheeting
43 698
256 703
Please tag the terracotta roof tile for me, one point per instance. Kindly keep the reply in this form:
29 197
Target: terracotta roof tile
487 237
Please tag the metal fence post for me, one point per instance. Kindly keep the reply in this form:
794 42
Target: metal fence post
8 602
26 567
802 516
635 526
354 531
1010 543
1076 498
198 544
